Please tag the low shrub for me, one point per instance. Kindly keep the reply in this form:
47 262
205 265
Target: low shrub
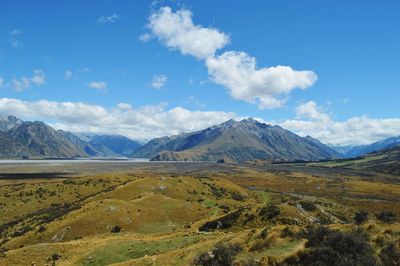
223 222
220 255
386 216
334 248
390 255
116 229
308 206
269 212
361 217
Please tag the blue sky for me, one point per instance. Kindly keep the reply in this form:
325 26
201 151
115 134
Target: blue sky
96 55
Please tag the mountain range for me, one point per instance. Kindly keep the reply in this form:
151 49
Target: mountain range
234 141
24 139
361 150
231 141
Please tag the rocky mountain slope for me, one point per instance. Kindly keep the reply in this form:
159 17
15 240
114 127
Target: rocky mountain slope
40 140
19 139
85 146
236 141
9 122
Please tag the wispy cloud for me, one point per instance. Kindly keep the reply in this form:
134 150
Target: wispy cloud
37 79
84 70
68 75
48 59
21 84
15 32
158 81
14 42
109 19
145 37
98 85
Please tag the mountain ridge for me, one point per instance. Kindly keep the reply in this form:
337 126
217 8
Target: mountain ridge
27 139
236 141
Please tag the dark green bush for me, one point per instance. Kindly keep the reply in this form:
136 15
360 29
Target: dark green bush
386 216
390 255
361 217
269 212
54 257
116 229
224 222
264 233
287 232
308 206
334 248
41 229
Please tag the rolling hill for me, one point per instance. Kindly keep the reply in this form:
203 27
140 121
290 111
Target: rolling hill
234 141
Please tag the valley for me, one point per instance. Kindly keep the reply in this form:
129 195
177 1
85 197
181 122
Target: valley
173 213
199 133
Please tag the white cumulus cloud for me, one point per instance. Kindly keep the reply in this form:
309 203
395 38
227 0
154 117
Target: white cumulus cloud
177 30
267 87
314 121
158 81
156 120
141 123
311 110
98 85
238 72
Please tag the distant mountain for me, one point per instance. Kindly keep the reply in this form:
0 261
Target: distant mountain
343 150
356 151
20 139
113 145
236 141
83 145
36 139
384 161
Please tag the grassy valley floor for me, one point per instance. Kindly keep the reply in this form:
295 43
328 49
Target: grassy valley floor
192 213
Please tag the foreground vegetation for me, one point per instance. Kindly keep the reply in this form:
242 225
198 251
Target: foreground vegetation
201 214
